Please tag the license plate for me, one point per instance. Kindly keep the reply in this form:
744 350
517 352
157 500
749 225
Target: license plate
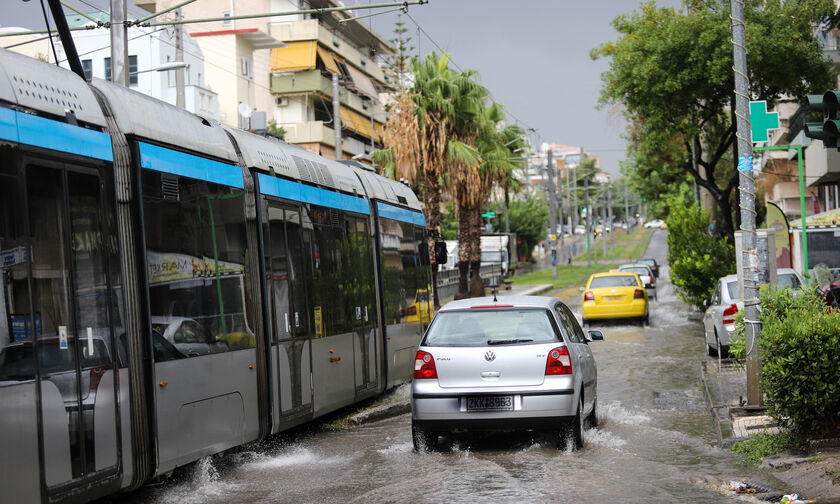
613 298
490 403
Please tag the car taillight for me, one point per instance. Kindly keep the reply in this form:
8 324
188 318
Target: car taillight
652 280
638 294
588 296
424 366
412 310
729 312
558 362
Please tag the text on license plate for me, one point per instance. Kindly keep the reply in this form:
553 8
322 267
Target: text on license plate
494 403
614 298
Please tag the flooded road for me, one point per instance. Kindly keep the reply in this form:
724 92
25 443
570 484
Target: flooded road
655 442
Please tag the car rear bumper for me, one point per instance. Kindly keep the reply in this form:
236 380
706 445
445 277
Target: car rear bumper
638 308
530 409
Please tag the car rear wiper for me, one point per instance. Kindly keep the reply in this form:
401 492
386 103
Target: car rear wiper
507 341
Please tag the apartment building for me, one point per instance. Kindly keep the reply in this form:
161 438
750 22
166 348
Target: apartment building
283 66
319 48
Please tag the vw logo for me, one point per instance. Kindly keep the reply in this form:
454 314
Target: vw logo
489 355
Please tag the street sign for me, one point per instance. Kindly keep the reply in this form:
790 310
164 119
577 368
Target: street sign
489 214
761 121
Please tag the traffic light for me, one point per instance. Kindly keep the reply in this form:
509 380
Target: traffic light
583 212
829 130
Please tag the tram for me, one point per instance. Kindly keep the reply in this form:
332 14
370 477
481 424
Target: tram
171 288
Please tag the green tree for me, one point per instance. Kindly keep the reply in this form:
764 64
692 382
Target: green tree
672 73
696 254
529 220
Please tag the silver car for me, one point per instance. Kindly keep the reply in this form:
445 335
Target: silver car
719 319
645 274
501 364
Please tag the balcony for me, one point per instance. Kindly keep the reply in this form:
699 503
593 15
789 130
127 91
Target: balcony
309 29
312 81
316 132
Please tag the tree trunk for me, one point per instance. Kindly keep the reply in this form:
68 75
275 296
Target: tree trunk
476 284
431 202
464 246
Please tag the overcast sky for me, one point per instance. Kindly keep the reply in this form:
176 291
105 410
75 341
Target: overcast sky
533 56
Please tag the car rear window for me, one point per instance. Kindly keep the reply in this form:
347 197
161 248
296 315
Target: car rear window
613 281
483 327
638 271
788 280
648 262
734 293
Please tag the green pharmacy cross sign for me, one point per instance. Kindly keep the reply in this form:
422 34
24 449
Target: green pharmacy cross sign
761 121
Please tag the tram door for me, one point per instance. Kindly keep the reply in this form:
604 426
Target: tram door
290 324
72 325
364 317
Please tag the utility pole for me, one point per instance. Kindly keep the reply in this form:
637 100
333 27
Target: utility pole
609 213
604 225
588 219
626 207
336 116
552 211
749 270
560 215
119 43
179 56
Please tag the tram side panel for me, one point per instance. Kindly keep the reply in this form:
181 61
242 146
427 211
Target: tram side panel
403 289
200 306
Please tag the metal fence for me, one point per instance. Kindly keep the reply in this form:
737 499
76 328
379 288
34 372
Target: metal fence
447 280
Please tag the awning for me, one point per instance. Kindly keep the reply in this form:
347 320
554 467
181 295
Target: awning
329 62
359 123
296 56
363 82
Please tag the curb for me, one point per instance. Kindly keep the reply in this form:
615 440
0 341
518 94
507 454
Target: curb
534 291
381 412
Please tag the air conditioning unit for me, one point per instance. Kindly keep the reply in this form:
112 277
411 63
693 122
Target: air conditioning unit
281 101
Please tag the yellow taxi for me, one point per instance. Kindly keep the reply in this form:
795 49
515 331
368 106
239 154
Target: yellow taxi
615 294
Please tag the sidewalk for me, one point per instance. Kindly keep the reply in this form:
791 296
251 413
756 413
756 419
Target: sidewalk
815 475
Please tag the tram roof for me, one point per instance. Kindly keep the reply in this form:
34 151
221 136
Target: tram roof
276 157
37 85
142 116
387 190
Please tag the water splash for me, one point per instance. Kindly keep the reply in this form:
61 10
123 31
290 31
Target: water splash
205 472
396 448
614 411
296 458
603 438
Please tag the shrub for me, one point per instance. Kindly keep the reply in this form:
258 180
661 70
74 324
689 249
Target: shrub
762 444
800 349
696 255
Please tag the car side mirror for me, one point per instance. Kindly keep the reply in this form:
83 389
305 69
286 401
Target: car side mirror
582 289
707 303
595 336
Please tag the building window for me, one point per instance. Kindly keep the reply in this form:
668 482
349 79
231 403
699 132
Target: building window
107 69
132 70
87 67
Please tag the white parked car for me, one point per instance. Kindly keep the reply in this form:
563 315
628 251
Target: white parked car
655 223
719 319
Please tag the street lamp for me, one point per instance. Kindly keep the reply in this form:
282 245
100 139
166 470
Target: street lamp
175 65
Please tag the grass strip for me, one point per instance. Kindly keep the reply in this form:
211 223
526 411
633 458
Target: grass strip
567 276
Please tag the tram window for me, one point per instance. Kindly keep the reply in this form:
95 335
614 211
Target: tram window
196 253
329 289
16 361
400 261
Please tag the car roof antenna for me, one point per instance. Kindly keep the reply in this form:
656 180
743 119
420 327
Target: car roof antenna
494 294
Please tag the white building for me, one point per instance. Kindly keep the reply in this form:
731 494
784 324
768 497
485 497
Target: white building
148 49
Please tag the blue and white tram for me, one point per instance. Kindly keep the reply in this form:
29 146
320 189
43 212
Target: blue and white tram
171 288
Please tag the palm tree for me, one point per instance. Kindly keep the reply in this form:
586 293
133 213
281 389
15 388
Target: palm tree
418 132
